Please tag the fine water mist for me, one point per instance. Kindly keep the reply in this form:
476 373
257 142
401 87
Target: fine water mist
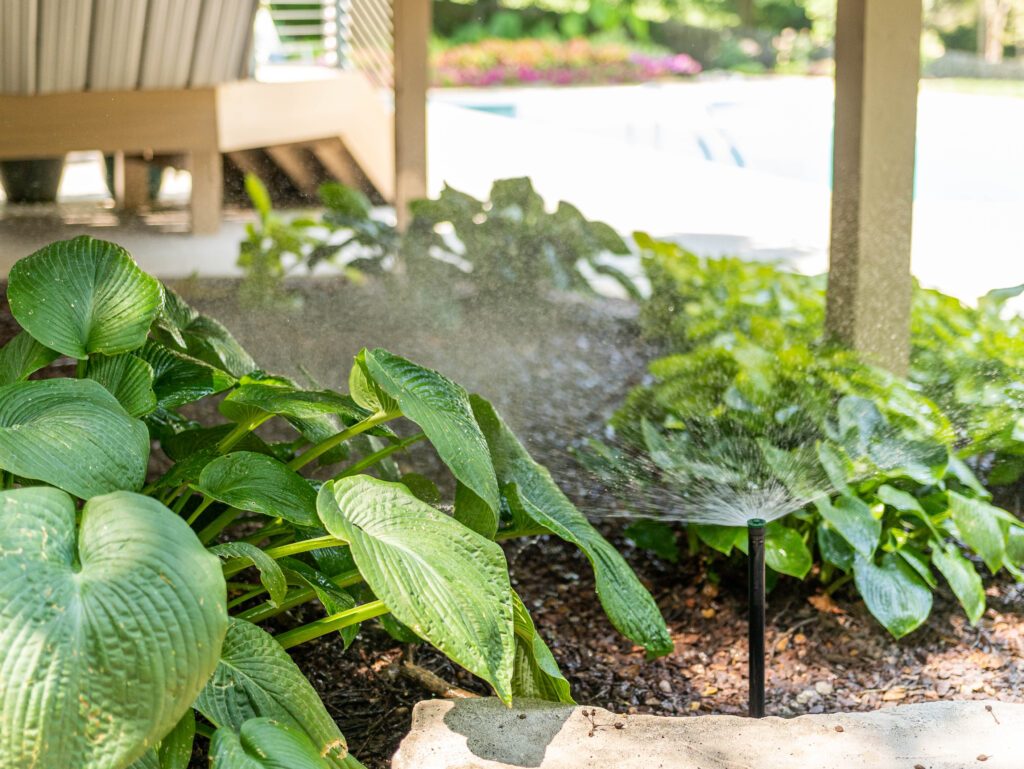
726 481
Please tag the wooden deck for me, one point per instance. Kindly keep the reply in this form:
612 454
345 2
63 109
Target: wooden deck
342 117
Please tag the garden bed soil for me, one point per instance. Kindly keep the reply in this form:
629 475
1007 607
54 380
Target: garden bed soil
556 373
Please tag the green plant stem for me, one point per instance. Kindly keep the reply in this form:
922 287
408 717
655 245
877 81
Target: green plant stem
240 431
267 532
245 597
331 624
218 524
207 501
205 730
327 444
244 586
80 367
372 459
304 546
266 610
6 480
838 583
186 495
294 548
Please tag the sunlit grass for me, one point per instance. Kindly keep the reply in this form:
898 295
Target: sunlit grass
985 87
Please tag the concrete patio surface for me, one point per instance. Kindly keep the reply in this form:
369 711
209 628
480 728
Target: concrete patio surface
484 734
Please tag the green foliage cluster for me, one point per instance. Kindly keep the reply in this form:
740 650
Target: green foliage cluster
509 243
345 235
752 405
131 603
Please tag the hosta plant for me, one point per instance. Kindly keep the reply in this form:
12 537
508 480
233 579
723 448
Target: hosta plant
873 477
509 245
131 602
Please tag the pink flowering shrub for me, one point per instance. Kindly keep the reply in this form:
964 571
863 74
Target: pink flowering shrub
524 62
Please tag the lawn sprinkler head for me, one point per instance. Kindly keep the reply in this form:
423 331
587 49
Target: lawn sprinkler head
755 603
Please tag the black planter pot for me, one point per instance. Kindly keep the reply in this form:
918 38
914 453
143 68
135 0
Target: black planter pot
31 181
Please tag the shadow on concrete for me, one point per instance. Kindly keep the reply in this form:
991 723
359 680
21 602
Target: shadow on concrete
515 736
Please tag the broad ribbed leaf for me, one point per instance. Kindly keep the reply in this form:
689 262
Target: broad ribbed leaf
442 409
260 483
175 749
978 524
256 678
896 595
149 760
365 391
292 402
263 743
106 637
834 548
22 356
72 434
473 512
127 378
201 337
628 605
178 378
536 673
270 573
83 296
446 582
785 551
961 576
852 518
334 599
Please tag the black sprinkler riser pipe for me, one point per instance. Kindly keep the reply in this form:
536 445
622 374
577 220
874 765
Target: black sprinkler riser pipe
755 586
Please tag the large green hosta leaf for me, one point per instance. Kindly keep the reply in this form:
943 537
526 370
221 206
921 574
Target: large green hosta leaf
441 408
263 743
83 296
978 524
178 378
127 378
106 635
446 582
893 592
260 483
536 672
535 496
72 434
22 356
256 678
186 330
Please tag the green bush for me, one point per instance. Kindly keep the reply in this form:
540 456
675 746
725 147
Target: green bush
130 601
752 414
508 244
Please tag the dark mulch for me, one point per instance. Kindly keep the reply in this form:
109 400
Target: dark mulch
556 373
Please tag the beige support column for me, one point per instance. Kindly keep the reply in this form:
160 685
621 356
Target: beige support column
131 182
207 191
412 24
877 72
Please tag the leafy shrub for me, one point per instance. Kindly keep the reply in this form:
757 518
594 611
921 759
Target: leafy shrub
510 242
753 415
515 62
125 598
346 235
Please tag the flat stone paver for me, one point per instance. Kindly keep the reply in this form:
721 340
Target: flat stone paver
484 734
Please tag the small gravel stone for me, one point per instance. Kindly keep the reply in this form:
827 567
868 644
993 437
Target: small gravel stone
824 688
